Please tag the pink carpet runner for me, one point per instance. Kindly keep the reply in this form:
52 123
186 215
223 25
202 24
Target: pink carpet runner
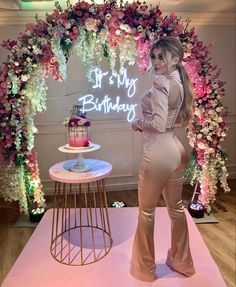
35 266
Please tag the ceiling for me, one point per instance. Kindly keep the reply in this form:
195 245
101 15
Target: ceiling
165 5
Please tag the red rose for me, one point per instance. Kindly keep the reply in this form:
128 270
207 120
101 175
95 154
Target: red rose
79 13
151 22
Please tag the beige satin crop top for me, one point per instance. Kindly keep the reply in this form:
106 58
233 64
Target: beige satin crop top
161 104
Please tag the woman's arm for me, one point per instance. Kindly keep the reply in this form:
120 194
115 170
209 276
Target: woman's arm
159 104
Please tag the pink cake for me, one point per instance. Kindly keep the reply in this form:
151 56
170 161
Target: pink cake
78 127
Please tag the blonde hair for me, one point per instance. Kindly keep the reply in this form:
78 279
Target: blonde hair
175 47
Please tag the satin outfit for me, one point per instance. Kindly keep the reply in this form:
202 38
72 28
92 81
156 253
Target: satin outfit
161 172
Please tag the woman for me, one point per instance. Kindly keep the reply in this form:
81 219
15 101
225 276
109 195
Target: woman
164 160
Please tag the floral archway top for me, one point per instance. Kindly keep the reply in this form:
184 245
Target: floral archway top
98 32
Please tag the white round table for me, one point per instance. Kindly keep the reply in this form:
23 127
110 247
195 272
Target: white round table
80 227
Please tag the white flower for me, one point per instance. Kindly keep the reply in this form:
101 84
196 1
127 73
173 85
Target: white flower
108 16
91 24
25 78
37 51
186 54
43 41
189 45
68 41
92 10
68 25
211 112
140 28
24 50
118 32
60 57
201 145
205 130
223 134
125 28
36 90
197 112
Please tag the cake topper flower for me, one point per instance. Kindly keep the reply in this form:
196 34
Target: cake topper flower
78 121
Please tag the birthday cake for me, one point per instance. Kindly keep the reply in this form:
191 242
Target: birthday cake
78 128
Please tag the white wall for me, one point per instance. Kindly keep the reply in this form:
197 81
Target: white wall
120 145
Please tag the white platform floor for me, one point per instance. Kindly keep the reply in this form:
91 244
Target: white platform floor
35 266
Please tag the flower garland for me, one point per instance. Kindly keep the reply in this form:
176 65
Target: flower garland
89 49
122 34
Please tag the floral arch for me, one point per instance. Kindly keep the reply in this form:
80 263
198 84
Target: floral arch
98 31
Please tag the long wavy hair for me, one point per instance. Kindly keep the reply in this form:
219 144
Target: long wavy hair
175 47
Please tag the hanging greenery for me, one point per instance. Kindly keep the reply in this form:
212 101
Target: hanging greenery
122 34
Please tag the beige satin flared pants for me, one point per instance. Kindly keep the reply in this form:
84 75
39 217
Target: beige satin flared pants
151 185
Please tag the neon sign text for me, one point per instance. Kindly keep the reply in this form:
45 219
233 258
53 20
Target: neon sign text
90 103
106 104
119 79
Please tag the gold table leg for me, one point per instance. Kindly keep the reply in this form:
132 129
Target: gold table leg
81 232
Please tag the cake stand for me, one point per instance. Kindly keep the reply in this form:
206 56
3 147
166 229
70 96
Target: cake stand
80 165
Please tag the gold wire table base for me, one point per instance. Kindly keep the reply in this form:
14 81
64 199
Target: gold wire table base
80 227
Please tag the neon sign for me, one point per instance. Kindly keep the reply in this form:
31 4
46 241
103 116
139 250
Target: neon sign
105 103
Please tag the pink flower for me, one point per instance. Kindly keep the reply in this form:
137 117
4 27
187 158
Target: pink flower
31 27
3 85
84 5
79 13
12 43
47 54
73 36
75 30
78 121
142 60
208 105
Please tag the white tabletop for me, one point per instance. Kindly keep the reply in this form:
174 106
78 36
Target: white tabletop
100 169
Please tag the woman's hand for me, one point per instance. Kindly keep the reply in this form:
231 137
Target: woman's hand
135 127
